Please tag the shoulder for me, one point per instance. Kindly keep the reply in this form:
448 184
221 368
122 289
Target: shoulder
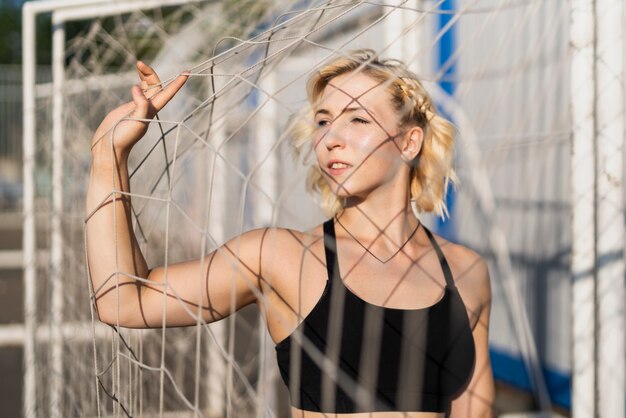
278 248
284 261
470 271
284 238
281 237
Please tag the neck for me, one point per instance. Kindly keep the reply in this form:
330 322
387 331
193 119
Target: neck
385 219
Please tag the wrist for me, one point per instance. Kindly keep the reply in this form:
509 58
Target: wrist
107 178
105 157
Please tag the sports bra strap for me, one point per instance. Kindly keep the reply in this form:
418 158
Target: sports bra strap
330 248
442 260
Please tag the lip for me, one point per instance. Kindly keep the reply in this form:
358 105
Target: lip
337 171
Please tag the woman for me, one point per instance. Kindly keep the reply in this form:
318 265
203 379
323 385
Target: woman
372 315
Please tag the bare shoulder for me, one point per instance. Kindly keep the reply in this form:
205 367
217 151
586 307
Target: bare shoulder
291 264
278 238
281 250
285 241
470 272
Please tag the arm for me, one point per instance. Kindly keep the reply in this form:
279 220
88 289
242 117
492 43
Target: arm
126 291
478 399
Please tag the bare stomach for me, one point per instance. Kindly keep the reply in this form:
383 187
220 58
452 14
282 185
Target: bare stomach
299 413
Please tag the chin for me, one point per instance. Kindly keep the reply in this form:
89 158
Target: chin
348 197
348 190
341 191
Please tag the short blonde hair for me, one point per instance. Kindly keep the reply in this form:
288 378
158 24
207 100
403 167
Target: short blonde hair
431 171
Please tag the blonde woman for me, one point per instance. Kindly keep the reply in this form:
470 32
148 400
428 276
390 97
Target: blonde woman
372 314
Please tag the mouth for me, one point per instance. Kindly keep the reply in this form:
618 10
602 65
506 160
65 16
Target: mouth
337 167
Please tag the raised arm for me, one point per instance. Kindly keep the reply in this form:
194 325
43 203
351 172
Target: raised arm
126 291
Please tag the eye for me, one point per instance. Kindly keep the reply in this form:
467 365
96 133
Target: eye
360 120
322 123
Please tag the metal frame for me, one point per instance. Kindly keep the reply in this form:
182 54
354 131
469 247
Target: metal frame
610 228
583 226
30 12
598 271
597 284
62 11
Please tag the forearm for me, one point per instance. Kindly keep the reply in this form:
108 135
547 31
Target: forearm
113 254
116 265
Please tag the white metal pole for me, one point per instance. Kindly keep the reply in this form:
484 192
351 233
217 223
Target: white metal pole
30 11
401 38
30 268
56 272
12 335
107 8
582 92
47 6
393 25
610 207
216 373
266 163
266 171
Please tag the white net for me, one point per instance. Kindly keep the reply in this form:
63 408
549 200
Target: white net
217 162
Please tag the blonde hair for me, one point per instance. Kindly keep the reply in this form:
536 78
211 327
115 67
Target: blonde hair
431 171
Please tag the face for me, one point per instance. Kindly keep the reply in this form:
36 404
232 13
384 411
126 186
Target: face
358 139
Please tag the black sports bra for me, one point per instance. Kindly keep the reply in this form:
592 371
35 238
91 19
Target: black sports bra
351 356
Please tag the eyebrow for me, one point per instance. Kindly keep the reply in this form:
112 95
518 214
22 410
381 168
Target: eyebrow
346 110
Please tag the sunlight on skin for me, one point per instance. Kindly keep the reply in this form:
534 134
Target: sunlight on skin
365 156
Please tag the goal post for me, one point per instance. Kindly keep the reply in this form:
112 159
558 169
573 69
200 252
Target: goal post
30 12
218 163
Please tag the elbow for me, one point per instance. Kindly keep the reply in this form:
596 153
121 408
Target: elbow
110 318
119 307
113 317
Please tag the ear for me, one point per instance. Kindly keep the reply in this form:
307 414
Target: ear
412 144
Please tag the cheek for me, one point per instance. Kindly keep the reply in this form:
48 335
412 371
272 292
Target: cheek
383 163
367 140
378 149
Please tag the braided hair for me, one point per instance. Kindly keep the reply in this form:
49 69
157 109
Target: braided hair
431 170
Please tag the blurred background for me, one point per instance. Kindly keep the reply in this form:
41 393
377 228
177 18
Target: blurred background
535 87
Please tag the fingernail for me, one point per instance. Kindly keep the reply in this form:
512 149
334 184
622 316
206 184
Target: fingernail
185 73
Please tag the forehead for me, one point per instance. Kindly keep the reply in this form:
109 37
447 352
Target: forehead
355 89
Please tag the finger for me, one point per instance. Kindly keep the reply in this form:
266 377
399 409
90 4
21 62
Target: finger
140 102
147 74
165 95
125 109
149 89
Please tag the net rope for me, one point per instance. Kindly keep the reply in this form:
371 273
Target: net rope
217 162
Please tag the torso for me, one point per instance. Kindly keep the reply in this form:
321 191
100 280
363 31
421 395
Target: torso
414 281
298 277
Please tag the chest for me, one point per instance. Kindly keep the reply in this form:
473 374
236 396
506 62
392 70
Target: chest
393 352
412 281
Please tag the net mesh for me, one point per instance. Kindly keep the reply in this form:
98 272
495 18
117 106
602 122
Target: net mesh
217 162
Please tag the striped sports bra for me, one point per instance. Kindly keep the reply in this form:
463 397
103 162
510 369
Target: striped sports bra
351 356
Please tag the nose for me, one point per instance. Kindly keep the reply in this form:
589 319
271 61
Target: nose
334 137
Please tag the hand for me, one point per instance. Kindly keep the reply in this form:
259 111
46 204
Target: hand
125 133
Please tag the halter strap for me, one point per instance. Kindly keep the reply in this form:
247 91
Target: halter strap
442 260
330 248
